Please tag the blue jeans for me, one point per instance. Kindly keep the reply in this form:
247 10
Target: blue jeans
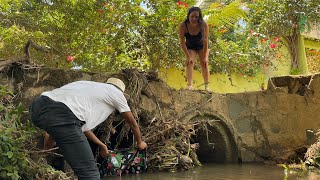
60 122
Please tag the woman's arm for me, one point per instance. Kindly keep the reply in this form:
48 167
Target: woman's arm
182 31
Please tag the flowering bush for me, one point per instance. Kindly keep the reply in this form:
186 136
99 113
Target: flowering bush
244 52
182 4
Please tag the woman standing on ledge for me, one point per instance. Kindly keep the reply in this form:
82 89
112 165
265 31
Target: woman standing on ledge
193 35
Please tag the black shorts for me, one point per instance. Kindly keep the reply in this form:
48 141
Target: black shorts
196 48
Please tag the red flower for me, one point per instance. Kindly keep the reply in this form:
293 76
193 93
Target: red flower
182 4
272 45
100 11
109 166
137 160
263 39
277 39
70 58
222 30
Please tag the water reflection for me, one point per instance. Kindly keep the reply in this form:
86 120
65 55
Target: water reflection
222 172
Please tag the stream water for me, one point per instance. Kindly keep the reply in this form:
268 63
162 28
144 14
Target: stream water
222 172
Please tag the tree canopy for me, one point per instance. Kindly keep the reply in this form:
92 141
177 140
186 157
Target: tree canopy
93 35
108 35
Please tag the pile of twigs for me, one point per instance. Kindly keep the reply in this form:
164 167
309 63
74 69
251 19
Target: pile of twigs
312 156
169 139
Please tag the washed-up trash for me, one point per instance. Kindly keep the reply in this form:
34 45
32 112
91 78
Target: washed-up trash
123 161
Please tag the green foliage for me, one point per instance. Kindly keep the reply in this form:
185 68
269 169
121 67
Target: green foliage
225 16
109 35
285 18
99 35
282 17
15 144
13 134
295 71
235 47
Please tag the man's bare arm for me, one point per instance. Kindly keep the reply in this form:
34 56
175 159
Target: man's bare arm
135 129
92 137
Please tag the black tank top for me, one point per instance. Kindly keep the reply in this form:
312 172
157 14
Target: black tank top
193 41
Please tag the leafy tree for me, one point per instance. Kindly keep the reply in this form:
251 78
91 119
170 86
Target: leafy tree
235 47
94 35
20 159
286 19
108 35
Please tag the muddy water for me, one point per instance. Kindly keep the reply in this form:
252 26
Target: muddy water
222 172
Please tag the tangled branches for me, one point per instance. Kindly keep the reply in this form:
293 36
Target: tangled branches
168 139
312 155
311 160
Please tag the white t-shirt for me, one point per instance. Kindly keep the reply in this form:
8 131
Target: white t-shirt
90 101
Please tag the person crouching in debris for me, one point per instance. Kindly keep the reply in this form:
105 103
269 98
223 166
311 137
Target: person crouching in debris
69 113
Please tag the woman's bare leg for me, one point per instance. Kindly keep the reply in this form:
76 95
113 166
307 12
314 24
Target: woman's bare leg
204 63
189 68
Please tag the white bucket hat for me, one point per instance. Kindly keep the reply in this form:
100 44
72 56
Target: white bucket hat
117 82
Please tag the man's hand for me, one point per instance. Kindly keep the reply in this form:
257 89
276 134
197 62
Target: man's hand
48 141
104 152
92 137
135 129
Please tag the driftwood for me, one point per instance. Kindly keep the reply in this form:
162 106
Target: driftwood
24 61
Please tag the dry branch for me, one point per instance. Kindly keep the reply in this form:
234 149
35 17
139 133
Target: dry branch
31 43
23 60
9 61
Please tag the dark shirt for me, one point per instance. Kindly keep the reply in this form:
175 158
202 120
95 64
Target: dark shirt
193 42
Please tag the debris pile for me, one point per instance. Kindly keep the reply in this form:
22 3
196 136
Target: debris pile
169 140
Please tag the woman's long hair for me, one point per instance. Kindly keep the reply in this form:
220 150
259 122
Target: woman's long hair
200 20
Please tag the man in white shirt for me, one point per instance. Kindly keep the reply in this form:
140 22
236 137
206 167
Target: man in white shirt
69 113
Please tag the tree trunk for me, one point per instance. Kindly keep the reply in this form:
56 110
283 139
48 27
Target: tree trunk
293 48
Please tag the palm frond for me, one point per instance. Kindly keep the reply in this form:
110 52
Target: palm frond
225 16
